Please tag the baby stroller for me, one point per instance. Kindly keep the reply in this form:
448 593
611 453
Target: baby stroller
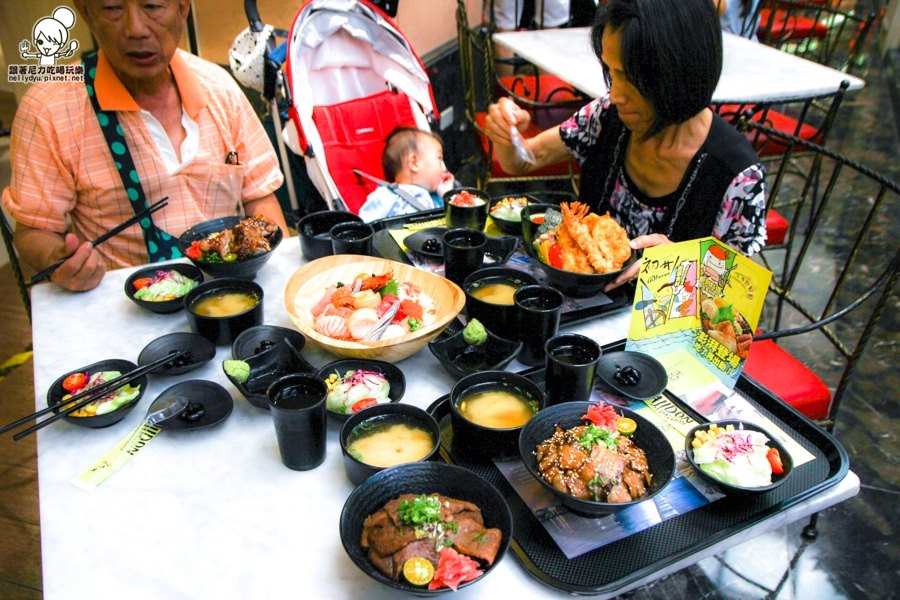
352 77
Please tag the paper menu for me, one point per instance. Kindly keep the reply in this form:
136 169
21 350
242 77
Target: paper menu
701 300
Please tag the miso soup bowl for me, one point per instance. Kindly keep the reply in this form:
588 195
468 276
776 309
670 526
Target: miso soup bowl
472 441
357 470
223 330
500 319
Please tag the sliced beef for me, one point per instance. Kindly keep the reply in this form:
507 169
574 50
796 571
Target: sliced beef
473 539
423 548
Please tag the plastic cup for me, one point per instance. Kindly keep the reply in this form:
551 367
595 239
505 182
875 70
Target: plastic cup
463 253
297 403
539 309
571 366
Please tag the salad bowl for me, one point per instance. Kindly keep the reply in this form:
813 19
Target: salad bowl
173 304
348 395
506 212
307 286
56 392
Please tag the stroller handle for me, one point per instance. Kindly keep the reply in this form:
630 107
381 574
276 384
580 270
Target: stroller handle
252 13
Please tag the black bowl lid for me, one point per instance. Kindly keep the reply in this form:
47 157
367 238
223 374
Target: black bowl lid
215 401
633 374
200 350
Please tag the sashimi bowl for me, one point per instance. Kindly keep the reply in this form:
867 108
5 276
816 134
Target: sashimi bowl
338 301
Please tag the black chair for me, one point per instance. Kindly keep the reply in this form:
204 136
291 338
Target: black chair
839 269
7 233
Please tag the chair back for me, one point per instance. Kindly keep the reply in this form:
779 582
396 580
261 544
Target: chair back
7 232
840 264
817 31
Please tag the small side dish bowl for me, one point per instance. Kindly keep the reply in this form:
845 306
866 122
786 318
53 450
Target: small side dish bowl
470 215
577 285
506 212
199 351
496 311
488 410
266 368
461 359
659 452
416 426
421 478
393 374
730 489
260 338
307 285
314 228
171 305
224 329
56 392
241 269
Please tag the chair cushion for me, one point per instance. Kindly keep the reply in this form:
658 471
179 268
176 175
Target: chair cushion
763 145
776 228
497 170
784 26
789 379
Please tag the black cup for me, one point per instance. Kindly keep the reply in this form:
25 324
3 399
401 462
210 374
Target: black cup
471 217
463 253
314 231
571 366
297 403
539 308
352 238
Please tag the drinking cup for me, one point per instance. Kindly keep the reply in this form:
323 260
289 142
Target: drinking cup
352 238
297 403
463 253
539 308
571 366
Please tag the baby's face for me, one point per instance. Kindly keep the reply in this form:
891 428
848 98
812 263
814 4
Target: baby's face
430 163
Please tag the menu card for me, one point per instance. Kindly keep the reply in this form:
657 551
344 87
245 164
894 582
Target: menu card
697 302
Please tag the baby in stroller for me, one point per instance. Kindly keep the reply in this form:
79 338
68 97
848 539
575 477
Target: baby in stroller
414 160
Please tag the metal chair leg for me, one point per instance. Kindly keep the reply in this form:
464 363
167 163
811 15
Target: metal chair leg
811 532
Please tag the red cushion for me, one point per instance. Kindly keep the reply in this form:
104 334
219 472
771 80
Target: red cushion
789 379
788 27
497 170
776 228
763 145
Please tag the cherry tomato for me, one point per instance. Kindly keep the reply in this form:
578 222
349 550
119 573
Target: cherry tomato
143 282
74 382
193 250
775 460
361 404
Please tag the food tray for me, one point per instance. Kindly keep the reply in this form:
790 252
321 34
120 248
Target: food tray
612 567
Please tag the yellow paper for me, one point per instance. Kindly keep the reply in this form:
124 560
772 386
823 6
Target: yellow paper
113 460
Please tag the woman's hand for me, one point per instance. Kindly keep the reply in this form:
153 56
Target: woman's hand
638 243
83 270
502 115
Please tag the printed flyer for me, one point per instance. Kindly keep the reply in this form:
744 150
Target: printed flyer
698 299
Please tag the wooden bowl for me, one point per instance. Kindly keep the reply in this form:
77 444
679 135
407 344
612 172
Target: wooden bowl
308 283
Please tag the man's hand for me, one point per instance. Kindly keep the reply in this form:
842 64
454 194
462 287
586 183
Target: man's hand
83 270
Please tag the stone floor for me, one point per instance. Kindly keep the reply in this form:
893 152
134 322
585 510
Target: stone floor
855 554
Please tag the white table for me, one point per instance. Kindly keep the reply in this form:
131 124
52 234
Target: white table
751 72
213 513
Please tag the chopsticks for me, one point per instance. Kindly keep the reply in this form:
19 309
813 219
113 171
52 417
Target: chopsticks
114 231
84 398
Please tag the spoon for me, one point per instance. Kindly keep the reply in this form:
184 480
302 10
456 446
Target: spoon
383 323
522 150
162 409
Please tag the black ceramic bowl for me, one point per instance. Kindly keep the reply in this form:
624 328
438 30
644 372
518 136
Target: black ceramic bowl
509 226
313 229
477 442
392 372
531 212
223 330
242 269
163 306
500 319
421 478
266 368
736 490
660 455
199 351
262 337
56 392
461 359
577 285
472 217
385 414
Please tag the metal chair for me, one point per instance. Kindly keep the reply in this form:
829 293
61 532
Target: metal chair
542 95
817 31
840 256
7 233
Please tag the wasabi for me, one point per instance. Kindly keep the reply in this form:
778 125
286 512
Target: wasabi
237 370
474 334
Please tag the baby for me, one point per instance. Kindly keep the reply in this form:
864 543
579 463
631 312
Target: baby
413 159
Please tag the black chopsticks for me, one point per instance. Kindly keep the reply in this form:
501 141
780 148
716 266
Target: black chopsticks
84 398
114 231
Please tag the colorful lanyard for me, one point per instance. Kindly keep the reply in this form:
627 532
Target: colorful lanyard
160 245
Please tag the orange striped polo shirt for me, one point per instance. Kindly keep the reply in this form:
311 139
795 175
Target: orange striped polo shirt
64 177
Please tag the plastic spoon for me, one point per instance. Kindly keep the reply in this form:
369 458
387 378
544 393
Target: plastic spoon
522 149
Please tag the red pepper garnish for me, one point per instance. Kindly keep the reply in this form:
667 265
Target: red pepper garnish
602 415
556 256
194 251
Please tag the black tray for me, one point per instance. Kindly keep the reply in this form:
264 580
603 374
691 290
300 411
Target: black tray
621 563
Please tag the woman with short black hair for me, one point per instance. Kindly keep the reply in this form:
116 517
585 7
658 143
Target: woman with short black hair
651 152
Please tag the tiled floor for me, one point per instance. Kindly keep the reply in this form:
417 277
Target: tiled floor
855 555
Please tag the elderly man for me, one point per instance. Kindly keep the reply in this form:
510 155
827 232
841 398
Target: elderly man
185 131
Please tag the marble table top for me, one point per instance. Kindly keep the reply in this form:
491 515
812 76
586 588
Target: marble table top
751 72
213 513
